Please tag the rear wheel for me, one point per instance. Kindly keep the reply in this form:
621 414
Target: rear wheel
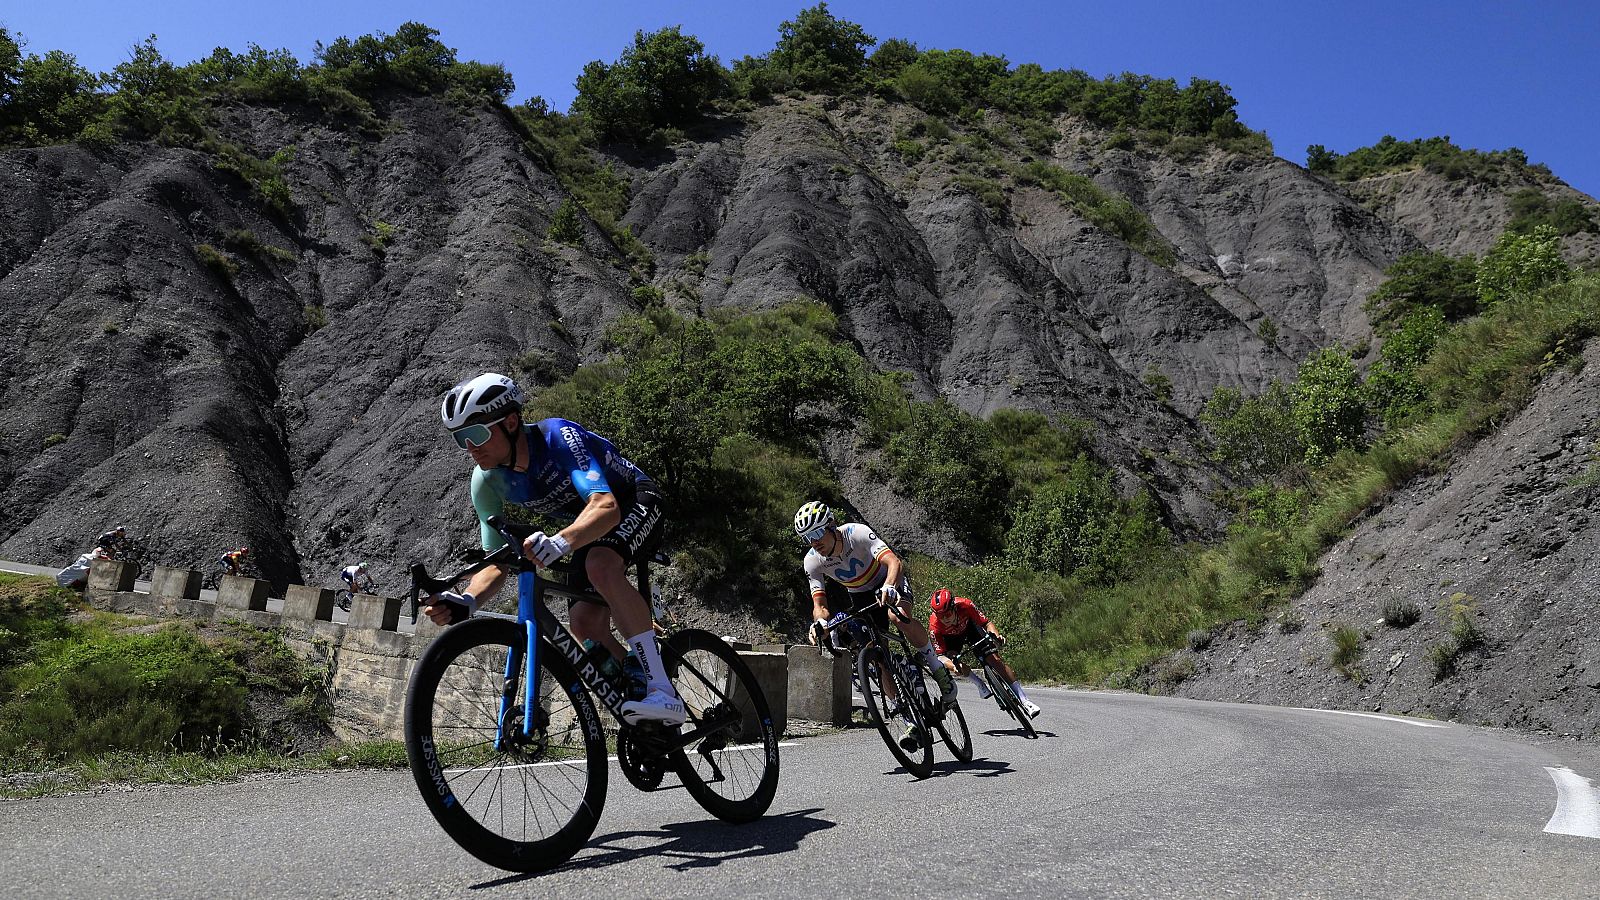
342 599
524 802
732 769
891 713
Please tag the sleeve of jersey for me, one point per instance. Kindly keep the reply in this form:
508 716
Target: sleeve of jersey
573 453
818 589
488 499
933 632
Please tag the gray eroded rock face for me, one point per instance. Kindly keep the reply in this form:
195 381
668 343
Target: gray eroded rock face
1463 217
290 402
1509 531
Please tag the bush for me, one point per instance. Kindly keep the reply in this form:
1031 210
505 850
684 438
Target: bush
1255 436
1346 651
1519 264
217 261
1423 280
1531 209
1328 405
147 692
1392 385
565 226
946 460
1400 613
1435 154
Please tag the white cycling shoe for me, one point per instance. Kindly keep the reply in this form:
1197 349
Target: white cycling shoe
983 690
1031 708
657 706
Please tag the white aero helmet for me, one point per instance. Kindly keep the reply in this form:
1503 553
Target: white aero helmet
811 517
478 400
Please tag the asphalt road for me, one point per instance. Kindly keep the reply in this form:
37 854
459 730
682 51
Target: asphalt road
1123 795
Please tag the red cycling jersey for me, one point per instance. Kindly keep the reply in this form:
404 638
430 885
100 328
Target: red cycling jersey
967 616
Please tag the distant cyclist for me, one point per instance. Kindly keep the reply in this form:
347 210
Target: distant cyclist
356 578
231 563
556 467
857 558
955 623
113 541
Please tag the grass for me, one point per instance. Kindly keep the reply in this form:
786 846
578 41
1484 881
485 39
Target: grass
25 776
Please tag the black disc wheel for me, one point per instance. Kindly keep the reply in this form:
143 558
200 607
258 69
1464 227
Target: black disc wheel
893 711
522 799
731 767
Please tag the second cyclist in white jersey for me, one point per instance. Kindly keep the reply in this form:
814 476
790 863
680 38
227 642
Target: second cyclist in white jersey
860 560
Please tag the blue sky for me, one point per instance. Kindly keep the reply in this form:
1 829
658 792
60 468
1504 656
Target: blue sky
1343 74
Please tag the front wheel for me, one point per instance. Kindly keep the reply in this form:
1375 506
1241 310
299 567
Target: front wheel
732 769
951 725
891 705
520 801
342 599
1007 699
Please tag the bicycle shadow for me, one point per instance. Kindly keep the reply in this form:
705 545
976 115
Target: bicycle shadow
697 845
979 767
1018 732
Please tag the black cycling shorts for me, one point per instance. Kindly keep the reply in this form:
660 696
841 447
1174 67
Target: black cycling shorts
954 644
637 534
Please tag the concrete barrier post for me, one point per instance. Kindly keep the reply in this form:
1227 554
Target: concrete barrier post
772 674
178 584
110 576
240 592
819 686
374 612
304 603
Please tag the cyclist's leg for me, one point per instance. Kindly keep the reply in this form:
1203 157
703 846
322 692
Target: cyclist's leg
917 634
1016 686
604 562
592 622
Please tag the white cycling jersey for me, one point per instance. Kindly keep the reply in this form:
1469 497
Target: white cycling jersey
858 565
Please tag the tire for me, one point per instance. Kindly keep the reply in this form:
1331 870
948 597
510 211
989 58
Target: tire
869 663
1008 701
341 599
733 772
952 726
526 808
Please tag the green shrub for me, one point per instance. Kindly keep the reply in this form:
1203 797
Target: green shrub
316 317
54 439
1399 612
648 295
1347 651
1531 209
946 459
148 692
1519 264
1424 280
990 193
1328 405
217 261
380 236
1435 154
1254 435
565 226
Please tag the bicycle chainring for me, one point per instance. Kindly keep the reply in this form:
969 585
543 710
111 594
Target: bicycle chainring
643 767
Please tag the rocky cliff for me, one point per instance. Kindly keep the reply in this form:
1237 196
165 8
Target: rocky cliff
179 358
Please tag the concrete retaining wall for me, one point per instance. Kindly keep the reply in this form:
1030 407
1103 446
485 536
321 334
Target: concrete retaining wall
370 661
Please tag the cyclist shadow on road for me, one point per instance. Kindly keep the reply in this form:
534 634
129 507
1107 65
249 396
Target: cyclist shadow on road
980 766
693 845
1017 732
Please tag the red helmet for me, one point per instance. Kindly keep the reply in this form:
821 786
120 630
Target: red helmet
941 600
244 549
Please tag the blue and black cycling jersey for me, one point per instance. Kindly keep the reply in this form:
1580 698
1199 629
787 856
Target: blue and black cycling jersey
567 463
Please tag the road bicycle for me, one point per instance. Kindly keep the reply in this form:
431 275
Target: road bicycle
1000 690
133 552
893 680
343 597
507 744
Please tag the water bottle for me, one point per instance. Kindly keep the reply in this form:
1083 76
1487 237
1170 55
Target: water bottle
602 659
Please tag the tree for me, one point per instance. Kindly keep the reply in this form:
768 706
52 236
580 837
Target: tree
1254 435
1520 263
1321 160
1421 280
664 79
50 99
1328 405
820 52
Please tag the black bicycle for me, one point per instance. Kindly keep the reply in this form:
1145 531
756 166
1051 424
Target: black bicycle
893 680
508 747
131 551
343 597
985 649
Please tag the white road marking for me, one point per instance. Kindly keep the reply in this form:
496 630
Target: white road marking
611 758
1401 719
1577 804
